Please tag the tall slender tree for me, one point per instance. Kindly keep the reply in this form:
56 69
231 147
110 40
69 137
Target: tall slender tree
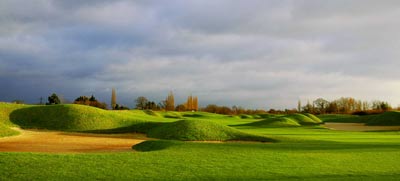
299 106
113 99
189 103
170 102
195 104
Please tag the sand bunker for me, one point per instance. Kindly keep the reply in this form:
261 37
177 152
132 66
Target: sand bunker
359 127
64 142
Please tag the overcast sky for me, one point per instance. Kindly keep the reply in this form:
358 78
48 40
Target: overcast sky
252 53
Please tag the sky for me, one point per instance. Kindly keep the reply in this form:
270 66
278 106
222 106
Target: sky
250 53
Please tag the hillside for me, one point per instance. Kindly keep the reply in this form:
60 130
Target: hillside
163 125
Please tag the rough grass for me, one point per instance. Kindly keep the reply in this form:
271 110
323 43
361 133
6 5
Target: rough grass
201 130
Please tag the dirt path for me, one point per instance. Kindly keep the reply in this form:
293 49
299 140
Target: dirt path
359 127
64 142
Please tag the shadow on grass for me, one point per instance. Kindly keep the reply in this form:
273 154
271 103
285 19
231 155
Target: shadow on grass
144 127
320 147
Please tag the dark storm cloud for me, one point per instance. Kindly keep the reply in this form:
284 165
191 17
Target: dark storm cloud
256 53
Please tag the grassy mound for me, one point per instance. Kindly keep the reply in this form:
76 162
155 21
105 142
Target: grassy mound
246 116
152 113
313 117
274 122
175 115
201 130
391 118
71 117
303 119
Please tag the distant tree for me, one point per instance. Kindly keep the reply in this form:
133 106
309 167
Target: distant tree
170 102
120 107
92 101
151 105
18 101
308 108
365 106
224 110
180 107
380 105
332 107
189 103
161 105
92 98
321 105
299 106
113 99
41 101
141 102
212 108
53 99
195 103
192 103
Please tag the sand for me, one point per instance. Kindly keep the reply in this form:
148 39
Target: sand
65 142
359 127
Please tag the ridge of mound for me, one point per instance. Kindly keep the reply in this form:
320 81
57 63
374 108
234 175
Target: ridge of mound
201 130
302 119
313 117
274 122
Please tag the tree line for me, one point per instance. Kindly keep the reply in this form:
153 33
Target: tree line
343 105
191 104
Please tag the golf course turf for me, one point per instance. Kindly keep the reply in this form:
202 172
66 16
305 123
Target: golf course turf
252 147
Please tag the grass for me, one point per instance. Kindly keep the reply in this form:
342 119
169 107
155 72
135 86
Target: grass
313 159
307 152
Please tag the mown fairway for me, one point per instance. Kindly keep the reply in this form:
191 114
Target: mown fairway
295 152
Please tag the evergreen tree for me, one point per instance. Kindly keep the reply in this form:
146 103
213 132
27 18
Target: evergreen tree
195 104
53 99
